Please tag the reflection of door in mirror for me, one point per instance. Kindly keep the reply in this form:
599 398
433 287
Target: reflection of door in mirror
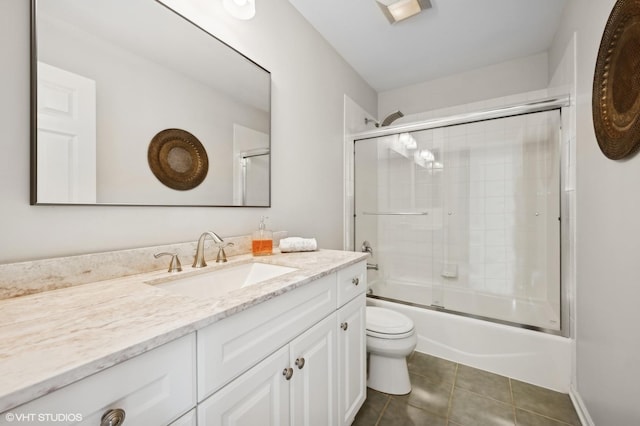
66 136
251 167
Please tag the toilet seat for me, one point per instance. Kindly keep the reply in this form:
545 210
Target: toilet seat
387 324
389 336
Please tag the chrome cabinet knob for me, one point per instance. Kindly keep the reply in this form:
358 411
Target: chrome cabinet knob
344 326
287 373
300 363
355 281
113 417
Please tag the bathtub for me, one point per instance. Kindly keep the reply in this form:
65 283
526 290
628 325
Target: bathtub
530 356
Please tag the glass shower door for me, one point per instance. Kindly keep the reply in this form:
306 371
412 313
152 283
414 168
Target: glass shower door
466 217
398 212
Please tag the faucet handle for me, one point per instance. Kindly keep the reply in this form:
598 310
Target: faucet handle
366 247
222 256
174 265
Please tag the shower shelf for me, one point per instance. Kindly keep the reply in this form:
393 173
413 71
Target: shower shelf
395 213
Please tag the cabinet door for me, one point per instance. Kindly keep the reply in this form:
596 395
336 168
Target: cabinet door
314 400
154 388
258 397
352 353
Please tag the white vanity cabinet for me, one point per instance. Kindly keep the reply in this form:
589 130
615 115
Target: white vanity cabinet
154 388
248 375
296 359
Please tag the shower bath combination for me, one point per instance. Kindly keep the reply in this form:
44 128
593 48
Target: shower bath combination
467 240
387 121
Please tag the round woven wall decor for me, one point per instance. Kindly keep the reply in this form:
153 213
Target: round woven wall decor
178 159
616 83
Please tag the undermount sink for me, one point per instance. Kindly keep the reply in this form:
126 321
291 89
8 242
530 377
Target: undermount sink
221 281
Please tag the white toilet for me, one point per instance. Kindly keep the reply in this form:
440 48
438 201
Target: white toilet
390 339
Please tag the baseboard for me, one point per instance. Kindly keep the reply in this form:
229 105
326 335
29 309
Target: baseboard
581 409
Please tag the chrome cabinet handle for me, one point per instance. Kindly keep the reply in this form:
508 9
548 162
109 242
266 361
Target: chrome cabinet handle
355 281
113 417
300 363
287 373
344 326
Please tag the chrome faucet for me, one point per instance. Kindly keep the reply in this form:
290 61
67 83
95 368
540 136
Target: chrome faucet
198 261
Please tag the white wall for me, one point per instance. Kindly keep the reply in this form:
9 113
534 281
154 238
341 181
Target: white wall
608 243
309 80
503 79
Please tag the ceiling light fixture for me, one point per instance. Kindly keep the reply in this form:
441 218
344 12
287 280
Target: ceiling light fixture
240 9
398 10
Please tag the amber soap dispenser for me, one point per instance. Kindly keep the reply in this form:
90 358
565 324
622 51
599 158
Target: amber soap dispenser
262 242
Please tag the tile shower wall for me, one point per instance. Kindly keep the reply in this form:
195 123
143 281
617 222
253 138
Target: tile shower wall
484 208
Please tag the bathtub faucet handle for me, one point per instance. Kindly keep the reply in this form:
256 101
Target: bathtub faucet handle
366 247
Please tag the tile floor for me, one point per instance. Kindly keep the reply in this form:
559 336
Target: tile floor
448 394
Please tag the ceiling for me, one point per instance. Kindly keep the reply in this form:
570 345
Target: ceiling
452 37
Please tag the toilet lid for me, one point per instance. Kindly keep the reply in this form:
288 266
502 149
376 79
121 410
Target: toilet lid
386 321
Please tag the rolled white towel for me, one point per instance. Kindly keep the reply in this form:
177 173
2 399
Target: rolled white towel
292 244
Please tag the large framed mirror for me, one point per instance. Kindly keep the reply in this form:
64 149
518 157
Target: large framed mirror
133 104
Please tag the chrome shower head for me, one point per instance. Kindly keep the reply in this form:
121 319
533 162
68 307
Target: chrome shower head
391 118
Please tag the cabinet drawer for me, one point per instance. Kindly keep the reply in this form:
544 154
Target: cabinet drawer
154 388
231 346
352 281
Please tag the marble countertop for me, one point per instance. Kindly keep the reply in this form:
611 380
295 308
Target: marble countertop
51 339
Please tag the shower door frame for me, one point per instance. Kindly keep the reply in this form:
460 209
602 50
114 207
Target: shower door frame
542 105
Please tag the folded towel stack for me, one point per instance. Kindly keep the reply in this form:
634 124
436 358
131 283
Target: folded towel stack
292 244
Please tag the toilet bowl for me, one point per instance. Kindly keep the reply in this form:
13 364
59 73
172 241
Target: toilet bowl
390 339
